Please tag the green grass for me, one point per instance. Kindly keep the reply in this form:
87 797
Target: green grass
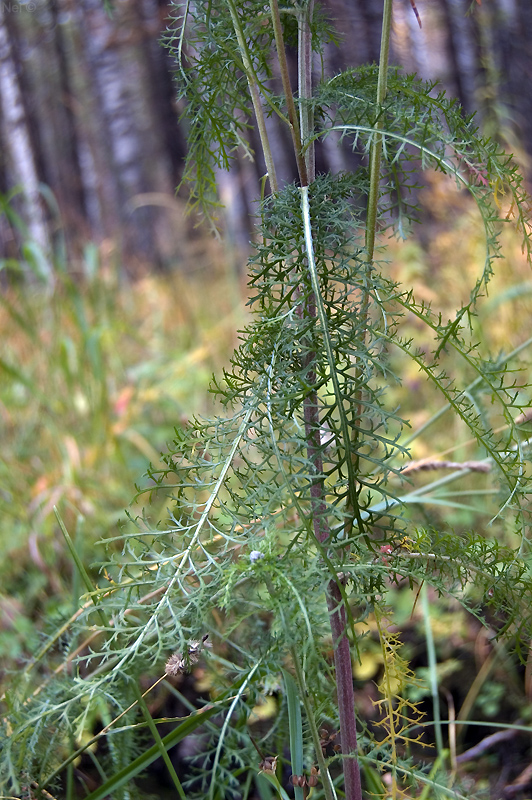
94 377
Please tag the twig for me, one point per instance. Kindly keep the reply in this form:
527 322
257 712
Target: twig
431 464
486 744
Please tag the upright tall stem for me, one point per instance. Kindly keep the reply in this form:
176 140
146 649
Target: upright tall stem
335 603
304 55
336 608
345 692
371 219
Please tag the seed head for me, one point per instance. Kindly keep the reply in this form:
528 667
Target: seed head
177 664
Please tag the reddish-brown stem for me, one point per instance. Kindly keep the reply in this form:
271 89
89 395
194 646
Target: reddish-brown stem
337 611
335 605
311 417
345 693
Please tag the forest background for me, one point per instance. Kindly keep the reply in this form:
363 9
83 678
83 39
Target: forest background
90 111
116 308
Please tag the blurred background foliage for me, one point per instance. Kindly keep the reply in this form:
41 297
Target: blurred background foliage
96 374
115 309
89 110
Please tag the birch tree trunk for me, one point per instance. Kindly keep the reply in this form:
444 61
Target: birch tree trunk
116 77
70 193
21 162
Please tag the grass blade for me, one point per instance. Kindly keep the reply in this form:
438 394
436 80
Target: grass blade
296 730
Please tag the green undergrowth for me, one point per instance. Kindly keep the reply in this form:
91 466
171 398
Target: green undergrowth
95 375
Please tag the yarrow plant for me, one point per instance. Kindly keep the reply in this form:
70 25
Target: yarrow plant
289 516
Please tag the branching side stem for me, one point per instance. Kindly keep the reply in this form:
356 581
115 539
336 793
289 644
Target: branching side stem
376 150
255 97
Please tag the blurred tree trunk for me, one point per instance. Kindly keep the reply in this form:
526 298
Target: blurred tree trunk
116 77
462 51
70 191
94 98
161 89
510 24
16 136
97 176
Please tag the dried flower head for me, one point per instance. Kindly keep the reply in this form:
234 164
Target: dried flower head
313 778
298 780
177 664
268 764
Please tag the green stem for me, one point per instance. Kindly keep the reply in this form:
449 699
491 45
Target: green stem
376 150
306 114
255 96
287 88
81 568
431 655
371 228
322 316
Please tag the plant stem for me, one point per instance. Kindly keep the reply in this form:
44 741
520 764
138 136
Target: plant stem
345 692
158 741
376 150
322 532
371 228
287 88
304 57
255 97
431 656
335 604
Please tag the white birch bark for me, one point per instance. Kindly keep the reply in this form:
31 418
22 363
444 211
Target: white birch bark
21 162
118 83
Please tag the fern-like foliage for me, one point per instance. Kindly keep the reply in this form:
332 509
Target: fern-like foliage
291 510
